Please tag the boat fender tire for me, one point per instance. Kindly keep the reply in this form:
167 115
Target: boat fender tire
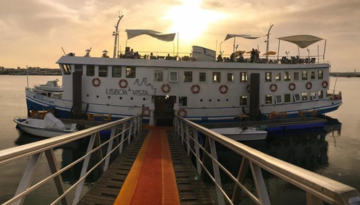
223 89
166 88
96 82
182 113
146 112
273 87
123 83
324 84
80 126
292 86
195 89
248 88
308 85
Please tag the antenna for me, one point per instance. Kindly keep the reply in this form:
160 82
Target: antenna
63 50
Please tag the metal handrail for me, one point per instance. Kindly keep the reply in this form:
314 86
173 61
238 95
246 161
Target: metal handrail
35 151
317 187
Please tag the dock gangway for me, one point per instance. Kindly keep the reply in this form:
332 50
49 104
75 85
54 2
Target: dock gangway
318 189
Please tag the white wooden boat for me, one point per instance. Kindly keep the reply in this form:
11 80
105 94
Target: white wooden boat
50 86
48 127
239 134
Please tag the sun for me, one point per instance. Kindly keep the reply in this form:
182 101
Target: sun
190 20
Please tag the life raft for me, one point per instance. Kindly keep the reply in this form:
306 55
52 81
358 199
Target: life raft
273 87
123 83
292 86
166 88
182 113
223 89
195 89
96 82
308 85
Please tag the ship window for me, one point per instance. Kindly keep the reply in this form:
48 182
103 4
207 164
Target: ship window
158 75
268 77
103 71
116 71
313 96
202 77
230 77
90 70
243 100
268 99
278 76
320 94
296 75
304 75
320 74
182 101
278 99
286 76
243 77
216 77
67 69
187 76
173 76
304 96
130 72
312 75
287 98
297 97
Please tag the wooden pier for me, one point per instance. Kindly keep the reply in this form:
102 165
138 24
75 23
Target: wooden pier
190 189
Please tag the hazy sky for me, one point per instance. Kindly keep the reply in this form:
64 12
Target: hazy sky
32 32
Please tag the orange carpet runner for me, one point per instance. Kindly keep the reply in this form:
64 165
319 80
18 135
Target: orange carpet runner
151 180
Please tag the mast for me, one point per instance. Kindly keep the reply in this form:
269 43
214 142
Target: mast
116 34
267 43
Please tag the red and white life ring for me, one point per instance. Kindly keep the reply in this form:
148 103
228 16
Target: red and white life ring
292 86
96 82
273 87
248 88
223 89
182 113
146 112
195 89
308 85
123 83
166 88
324 84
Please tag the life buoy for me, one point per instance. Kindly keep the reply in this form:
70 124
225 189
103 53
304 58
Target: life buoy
166 88
223 89
248 88
182 113
308 85
324 84
146 112
195 89
273 87
96 82
123 83
292 86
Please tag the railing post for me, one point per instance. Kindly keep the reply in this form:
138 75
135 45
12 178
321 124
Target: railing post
197 151
216 170
178 126
140 122
312 200
130 127
28 176
84 169
243 169
110 145
182 132
260 184
135 127
122 137
50 156
187 139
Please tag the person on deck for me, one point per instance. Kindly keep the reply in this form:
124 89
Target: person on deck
252 56
219 58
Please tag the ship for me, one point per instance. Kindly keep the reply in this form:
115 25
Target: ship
201 87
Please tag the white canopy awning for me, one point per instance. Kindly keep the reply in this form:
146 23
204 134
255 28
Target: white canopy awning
240 35
302 41
155 34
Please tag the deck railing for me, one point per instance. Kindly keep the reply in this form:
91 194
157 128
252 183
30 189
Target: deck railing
121 131
318 189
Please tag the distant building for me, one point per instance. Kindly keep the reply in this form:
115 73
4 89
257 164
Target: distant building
2 69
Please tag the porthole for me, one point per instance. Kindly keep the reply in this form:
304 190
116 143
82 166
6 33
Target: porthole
109 97
97 96
209 100
218 100
201 100
131 98
120 98
144 99
87 95
227 100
